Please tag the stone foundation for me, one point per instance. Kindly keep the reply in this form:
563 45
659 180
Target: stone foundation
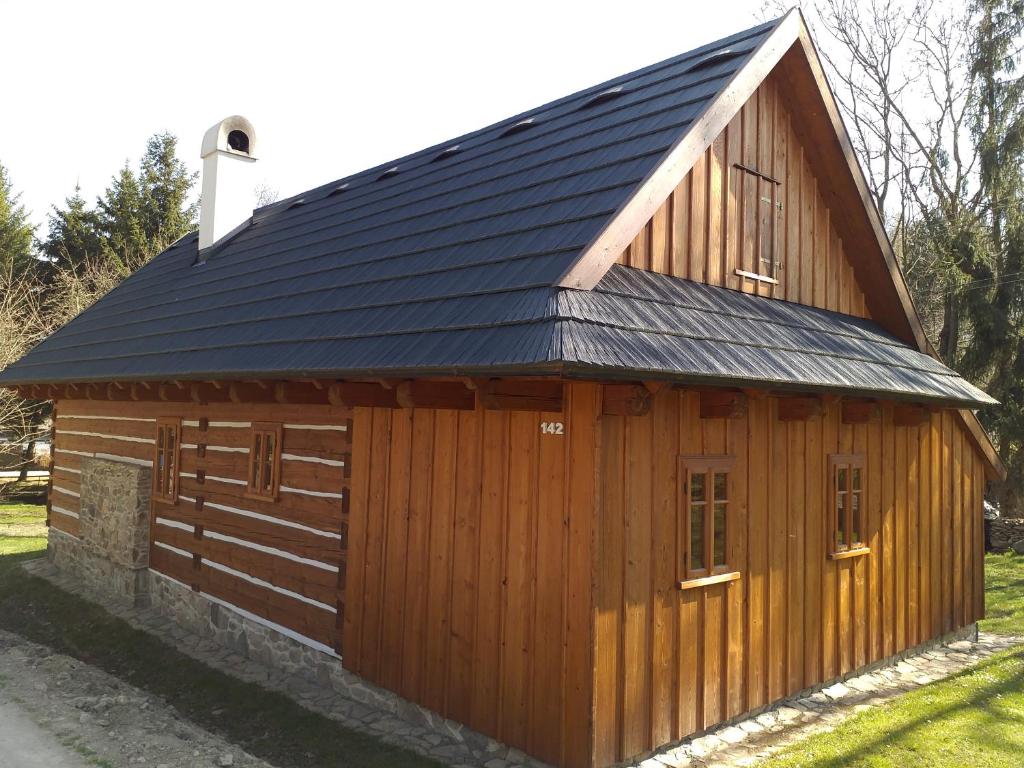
111 554
75 557
274 649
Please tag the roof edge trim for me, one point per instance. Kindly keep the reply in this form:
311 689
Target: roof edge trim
595 260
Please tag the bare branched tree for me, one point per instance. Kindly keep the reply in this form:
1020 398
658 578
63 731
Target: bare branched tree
30 310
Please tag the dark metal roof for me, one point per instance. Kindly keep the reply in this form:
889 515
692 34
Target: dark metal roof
451 264
643 322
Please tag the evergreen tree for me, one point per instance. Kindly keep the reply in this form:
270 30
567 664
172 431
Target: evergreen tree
73 236
165 183
141 214
15 230
122 222
993 302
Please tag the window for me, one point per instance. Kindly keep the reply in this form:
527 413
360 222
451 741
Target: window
759 198
704 522
265 460
846 519
165 460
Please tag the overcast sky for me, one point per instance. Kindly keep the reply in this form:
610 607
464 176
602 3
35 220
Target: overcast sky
330 87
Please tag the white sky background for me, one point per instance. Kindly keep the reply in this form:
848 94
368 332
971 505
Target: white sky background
331 88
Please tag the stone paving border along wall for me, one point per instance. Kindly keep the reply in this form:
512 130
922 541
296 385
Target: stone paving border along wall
745 742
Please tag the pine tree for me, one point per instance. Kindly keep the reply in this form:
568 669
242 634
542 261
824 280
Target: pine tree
16 252
73 237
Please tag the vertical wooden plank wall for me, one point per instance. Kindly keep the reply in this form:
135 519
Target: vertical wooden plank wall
704 232
671 662
469 579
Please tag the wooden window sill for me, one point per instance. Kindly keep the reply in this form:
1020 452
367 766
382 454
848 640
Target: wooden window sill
165 501
756 277
849 553
259 496
706 581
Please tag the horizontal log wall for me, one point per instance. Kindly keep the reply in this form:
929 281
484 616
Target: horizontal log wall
470 571
670 662
283 560
700 234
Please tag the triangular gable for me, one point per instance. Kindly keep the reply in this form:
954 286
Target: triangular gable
790 52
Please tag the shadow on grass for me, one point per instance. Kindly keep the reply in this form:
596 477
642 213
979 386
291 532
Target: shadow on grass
889 727
264 723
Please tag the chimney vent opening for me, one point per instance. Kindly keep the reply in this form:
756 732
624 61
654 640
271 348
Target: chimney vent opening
238 141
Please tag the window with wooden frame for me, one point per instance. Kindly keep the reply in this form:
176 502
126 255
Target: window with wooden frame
846 505
759 198
165 460
704 520
265 460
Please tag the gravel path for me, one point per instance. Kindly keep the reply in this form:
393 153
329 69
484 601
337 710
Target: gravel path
26 745
58 712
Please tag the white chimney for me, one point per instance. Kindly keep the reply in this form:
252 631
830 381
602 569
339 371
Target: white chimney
229 150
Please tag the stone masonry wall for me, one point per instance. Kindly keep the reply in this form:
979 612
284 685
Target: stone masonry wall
1007 533
112 551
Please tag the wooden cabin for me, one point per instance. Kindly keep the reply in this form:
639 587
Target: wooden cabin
590 429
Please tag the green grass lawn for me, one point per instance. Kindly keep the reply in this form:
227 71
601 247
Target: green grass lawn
975 718
22 528
266 724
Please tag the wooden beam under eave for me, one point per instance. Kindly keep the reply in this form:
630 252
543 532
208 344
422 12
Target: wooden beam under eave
172 393
906 415
859 411
445 395
145 390
365 394
514 395
626 400
799 408
118 392
300 393
722 404
250 392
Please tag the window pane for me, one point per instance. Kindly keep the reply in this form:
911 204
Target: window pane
268 462
841 518
856 478
697 489
840 479
160 455
254 459
855 536
172 440
721 486
720 510
697 537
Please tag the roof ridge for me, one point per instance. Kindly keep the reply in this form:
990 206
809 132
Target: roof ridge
504 122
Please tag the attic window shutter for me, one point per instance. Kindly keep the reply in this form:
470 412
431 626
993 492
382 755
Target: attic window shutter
758 196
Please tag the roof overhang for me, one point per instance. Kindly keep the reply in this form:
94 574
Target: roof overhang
789 48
